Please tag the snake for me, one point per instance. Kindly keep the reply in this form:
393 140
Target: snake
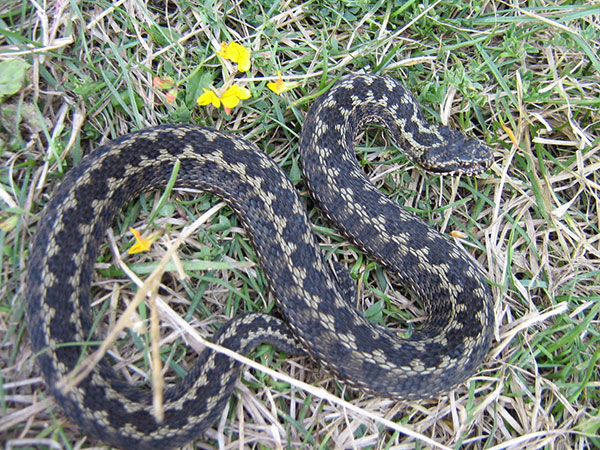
314 297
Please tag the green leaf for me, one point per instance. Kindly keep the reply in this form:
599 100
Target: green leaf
13 74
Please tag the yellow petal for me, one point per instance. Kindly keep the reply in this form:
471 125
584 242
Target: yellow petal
280 86
240 92
243 60
141 244
244 64
208 97
230 100
236 53
232 96
223 51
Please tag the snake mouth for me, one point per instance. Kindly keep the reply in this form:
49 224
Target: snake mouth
469 168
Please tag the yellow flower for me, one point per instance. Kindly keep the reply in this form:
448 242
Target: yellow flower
280 86
230 98
142 244
236 53
209 97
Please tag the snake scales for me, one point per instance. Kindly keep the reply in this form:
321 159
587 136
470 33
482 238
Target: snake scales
311 297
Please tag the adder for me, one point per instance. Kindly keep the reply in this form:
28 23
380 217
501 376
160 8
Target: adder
443 352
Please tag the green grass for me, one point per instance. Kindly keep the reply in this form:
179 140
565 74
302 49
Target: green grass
532 220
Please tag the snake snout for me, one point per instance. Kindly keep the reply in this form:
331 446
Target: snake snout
459 155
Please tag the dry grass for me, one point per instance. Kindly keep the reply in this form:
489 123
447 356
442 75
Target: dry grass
522 77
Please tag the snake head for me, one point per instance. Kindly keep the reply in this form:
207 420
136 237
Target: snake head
458 154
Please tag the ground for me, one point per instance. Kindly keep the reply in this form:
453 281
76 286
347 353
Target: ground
523 77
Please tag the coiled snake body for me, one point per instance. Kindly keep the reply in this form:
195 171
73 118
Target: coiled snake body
311 297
